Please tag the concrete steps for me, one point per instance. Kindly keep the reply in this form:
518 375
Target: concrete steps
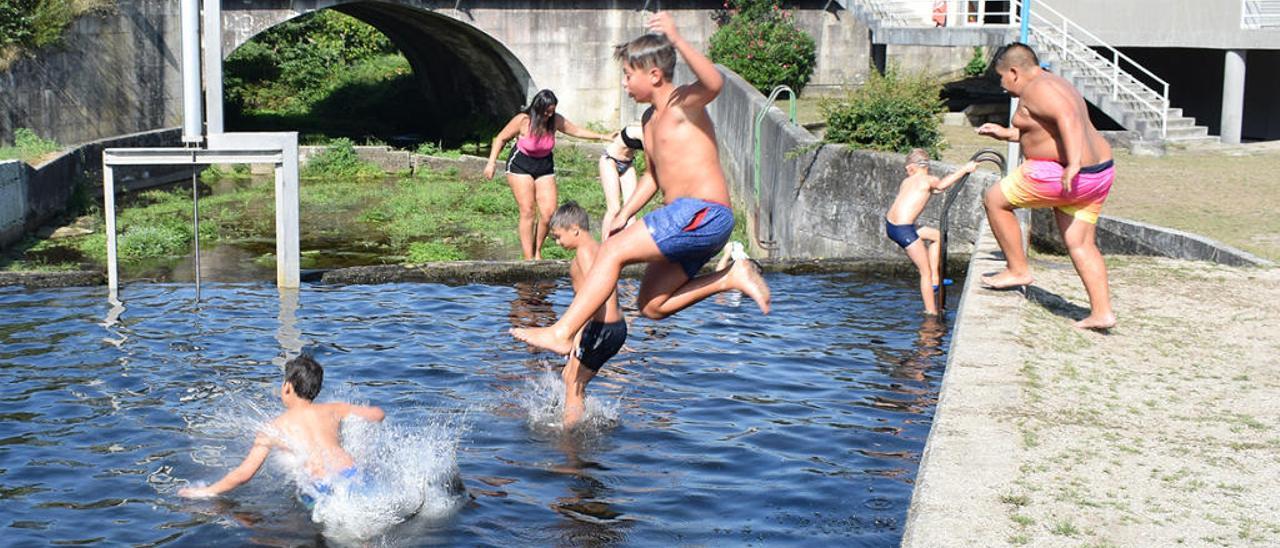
1132 104
1132 108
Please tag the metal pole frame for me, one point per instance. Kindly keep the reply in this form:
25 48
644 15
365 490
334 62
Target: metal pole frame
278 149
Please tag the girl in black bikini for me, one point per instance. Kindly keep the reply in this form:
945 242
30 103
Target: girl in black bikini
618 173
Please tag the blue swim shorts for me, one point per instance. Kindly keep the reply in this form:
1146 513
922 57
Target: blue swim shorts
903 235
690 231
324 487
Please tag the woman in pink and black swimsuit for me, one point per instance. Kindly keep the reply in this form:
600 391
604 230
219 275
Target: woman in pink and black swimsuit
531 168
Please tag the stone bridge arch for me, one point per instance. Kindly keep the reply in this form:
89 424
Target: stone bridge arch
461 69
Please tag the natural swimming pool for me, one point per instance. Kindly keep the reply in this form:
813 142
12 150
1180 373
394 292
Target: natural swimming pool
716 426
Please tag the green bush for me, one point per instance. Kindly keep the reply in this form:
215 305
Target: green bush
340 161
28 147
145 242
761 43
891 112
977 64
31 24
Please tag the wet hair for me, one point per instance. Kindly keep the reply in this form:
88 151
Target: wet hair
648 51
539 122
918 157
306 376
571 215
1015 54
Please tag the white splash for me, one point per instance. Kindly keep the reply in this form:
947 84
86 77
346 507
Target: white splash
405 471
543 402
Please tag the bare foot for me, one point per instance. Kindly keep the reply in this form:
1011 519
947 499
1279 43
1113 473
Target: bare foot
1007 280
1102 322
545 338
745 277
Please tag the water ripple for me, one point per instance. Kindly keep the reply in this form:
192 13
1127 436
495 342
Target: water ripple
801 428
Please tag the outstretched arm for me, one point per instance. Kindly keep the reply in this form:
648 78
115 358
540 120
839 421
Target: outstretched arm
997 131
951 179
235 478
569 128
709 81
367 412
508 132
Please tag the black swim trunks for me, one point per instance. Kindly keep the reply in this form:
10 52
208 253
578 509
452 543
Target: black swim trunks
522 164
600 341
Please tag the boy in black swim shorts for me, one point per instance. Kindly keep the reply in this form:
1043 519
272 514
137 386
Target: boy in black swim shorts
604 334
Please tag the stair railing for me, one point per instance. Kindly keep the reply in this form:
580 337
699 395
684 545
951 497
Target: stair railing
1070 45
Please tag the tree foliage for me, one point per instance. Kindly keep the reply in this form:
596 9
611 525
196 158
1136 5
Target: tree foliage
891 112
761 43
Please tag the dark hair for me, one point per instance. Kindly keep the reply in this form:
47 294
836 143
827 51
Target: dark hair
647 51
540 123
1016 54
570 215
306 376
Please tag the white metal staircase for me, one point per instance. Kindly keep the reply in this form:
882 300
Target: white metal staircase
1260 14
1126 91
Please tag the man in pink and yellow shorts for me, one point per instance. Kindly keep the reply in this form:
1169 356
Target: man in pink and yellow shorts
1038 184
1068 168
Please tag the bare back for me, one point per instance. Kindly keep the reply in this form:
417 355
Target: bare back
681 145
312 433
1045 98
913 196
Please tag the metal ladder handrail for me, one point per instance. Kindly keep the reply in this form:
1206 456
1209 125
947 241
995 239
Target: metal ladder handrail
769 244
984 155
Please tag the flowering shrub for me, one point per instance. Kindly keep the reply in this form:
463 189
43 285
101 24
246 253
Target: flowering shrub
762 44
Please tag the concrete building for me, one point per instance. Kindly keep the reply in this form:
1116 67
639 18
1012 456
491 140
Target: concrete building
1176 69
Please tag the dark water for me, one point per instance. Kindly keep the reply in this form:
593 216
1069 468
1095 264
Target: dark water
717 426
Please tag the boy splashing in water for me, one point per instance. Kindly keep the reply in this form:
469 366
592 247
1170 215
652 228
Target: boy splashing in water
604 334
678 239
920 245
307 428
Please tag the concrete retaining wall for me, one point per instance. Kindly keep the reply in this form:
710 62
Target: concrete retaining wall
814 199
116 71
1118 236
13 200
45 190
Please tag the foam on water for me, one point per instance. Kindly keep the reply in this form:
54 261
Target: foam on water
406 469
543 402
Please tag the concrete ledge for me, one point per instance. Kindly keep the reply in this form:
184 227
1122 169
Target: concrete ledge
969 459
502 272
49 186
1118 236
43 280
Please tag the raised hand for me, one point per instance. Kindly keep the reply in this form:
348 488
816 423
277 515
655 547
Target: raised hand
663 22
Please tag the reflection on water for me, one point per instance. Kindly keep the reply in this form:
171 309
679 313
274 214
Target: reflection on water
802 428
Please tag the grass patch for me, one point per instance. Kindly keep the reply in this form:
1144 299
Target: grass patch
430 216
29 147
1065 529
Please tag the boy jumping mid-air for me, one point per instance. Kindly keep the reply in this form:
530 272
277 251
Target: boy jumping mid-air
920 245
678 239
604 334
307 428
